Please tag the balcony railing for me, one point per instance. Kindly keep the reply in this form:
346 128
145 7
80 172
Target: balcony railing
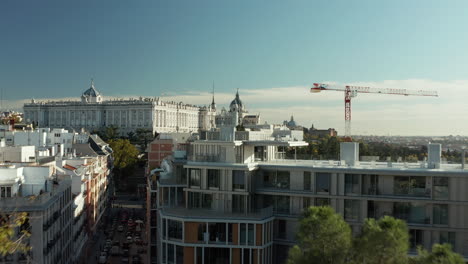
257 214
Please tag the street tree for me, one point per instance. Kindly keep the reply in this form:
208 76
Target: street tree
124 153
12 241
383 241
323 237
440 254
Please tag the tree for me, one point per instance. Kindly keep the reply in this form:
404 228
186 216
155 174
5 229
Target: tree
109 133
10 241
383 241
323 238
125 157
441 254
143 136
124 153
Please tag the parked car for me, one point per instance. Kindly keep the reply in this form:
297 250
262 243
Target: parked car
103 257
120 228
129 239
115 250
136 259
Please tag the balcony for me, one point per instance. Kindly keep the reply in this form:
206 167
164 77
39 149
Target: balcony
207 158
255 215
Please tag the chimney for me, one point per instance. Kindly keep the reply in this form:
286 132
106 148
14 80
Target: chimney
434 155
349 152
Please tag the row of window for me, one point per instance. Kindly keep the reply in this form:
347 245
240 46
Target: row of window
213 179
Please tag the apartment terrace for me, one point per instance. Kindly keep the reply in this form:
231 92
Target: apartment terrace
215 215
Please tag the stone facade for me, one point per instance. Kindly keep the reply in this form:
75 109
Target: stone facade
94 113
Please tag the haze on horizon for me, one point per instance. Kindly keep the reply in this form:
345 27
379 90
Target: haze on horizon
273 51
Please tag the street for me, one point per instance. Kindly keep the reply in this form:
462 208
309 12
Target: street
121 237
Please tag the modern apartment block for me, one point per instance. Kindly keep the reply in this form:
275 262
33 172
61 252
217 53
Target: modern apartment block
236 197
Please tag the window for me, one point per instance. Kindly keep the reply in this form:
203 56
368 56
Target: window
276 179
351 183
260 153
323 182
307 181
283 179
201 232
440 214
250 235
322 202
5 191
243 234
306 202
180 254
175 229
213 178
441 189
195 177
238 180
238 203
410 186
217 232
351 211
170 253
447 237
282 229
194 200
207 201
280 203
414 213
416 238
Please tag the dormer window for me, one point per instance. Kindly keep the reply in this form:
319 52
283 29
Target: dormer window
5 191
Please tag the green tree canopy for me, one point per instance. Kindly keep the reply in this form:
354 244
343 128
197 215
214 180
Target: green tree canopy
383 241
440 254
10 241
323 238
124 153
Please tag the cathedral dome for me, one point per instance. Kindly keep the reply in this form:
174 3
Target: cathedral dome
236 104
291 122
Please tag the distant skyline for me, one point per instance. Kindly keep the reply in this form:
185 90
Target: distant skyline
271 50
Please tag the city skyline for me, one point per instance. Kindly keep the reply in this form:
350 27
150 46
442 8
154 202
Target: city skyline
272 51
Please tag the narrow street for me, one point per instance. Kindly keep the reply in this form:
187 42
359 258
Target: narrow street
121 235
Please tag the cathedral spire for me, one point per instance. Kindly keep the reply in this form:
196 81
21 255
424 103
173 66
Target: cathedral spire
213 104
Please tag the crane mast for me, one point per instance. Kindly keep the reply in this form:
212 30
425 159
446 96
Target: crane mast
352 91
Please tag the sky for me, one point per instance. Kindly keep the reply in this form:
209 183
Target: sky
273 51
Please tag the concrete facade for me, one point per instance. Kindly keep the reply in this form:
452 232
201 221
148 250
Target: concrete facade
239 201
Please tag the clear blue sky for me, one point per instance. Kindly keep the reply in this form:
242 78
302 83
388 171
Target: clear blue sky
53 48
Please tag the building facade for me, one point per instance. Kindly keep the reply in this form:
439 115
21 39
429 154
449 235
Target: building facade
62 188
47 201
239 200
93 112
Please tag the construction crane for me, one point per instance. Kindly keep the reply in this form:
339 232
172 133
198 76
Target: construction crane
352 91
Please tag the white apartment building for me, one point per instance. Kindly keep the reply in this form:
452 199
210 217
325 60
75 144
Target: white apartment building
93 112
85 169
236 198
47 201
